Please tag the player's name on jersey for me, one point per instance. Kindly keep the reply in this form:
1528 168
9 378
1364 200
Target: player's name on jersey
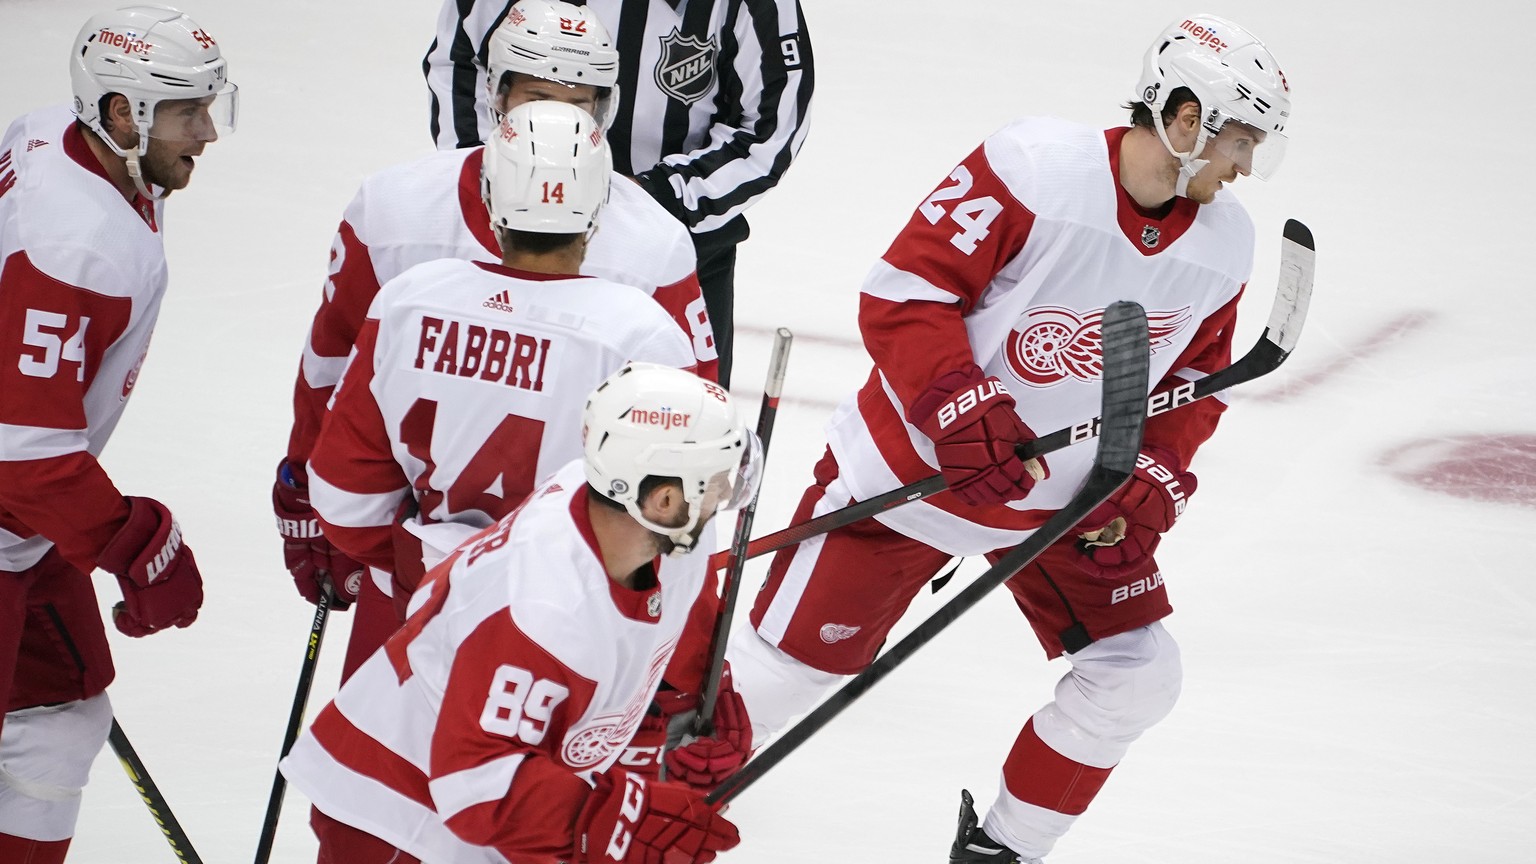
469 350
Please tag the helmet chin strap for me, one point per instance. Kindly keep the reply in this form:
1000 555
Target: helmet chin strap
1189 165
137 173
681 535
131 159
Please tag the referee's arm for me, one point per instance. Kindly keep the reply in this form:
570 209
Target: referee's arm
766 70
455 71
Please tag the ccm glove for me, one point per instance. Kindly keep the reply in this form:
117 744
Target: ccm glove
1120 534
631 820
310 557
974 429
704 762
158 575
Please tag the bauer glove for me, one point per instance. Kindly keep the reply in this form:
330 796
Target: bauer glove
1123 532
971 420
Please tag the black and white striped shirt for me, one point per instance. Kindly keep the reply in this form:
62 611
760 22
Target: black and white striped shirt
715 95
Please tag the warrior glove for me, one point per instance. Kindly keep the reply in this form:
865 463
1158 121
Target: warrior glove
1120 534
971 420
311 558
161 585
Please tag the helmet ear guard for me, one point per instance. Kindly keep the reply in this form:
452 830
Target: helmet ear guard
648 420
1232 75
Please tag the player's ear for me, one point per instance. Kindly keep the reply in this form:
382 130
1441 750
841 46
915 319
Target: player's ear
117 119
664 503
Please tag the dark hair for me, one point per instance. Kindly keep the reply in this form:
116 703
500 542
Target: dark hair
532 242
1141 115
647 485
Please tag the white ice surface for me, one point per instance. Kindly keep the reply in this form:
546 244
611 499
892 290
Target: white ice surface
1360 653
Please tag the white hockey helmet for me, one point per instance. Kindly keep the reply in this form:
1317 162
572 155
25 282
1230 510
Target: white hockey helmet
655 421
152 54
1234 76
556 41
546 169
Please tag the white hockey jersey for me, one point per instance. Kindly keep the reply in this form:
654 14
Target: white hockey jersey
430 208
466 389
1010 264
522 672
83 274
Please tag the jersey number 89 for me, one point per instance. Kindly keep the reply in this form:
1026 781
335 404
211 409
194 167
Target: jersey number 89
519 706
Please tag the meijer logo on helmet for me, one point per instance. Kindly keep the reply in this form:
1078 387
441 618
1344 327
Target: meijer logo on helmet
666 418
129 44
1203 36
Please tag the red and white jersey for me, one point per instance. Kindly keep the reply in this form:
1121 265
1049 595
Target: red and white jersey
522 672
467 388
430 208
1009 264
82 272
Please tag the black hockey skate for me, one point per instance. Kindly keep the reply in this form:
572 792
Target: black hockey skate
973 846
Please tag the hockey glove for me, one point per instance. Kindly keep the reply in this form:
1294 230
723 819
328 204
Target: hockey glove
974 428
310 557
1123 532
631 820
704 762
161 585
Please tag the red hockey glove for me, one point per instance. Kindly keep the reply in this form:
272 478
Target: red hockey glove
158 575
642 755
974 429
631 820
704 762
1124 531
308 555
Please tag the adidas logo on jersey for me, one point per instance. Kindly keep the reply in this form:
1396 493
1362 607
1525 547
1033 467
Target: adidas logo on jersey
35 143
502 302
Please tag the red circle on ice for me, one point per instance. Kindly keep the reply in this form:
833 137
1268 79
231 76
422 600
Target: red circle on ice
1497 468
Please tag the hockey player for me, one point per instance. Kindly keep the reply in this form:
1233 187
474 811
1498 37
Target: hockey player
468 378
432 208
489 726
983 322
82 273
716 101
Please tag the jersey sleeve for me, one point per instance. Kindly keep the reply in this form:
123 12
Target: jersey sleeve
684 301
53 338
936 270
355 484
506 707
768 72
690 661
350 287
663 343
1182 432
455 70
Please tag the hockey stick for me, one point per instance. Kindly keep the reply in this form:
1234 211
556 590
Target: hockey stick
766 414
150 793
1124 407
1280 334
295 719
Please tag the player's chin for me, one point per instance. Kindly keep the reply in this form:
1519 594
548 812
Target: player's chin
178 174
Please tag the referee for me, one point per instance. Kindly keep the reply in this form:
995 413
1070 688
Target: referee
715 96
